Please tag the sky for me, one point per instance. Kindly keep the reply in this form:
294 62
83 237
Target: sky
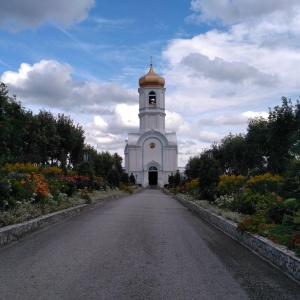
224 61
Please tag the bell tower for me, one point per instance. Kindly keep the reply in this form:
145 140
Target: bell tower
152 102
151 154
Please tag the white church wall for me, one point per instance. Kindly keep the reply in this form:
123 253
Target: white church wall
170 159
142 102
162 98
152 122
152 154
133 160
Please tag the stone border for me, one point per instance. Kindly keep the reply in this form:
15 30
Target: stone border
275 254
12 233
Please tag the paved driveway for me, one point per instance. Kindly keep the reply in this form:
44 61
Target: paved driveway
144 246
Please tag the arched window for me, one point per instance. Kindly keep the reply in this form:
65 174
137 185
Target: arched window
152 99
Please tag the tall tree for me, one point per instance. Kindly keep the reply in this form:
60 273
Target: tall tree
192 168
295 137
282 126
71 140
257 146
230 153
47 138
13 121
209 177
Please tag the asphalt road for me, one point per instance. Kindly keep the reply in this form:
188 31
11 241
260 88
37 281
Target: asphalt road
144 246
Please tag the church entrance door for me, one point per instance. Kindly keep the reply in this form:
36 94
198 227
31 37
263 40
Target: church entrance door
152 175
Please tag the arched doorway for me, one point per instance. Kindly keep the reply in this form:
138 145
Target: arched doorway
153 175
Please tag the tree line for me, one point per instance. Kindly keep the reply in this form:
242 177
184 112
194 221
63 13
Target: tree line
269 145
46 140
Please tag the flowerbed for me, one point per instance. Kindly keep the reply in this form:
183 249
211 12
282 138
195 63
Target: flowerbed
27 192
255 206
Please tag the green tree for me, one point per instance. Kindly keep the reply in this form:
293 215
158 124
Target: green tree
71 142
117 159
295 136
209 177
13 125
192 167
47 138
177 178
103 164
257 146
282 127
230 153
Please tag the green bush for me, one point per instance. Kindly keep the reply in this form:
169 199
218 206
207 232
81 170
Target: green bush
252 223
51 171
99 183
226 202
19 168
231 184
85 169
209 177
246 204
5 186
113 178
56 186
265 184
125 178
282 211
126 188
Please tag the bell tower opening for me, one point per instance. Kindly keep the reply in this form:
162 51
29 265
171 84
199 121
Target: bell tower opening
152 99
153 175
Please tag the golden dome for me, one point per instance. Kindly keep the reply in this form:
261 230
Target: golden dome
151 79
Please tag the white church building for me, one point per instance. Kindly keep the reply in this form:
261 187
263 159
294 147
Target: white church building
151 155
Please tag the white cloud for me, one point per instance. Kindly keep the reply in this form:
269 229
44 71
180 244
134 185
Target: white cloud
221 79
232 119
224 120
209 136
232 70
127 116
50 83
221 70
254 114
175 122
100 123
16 14
44 80
114 22
231 12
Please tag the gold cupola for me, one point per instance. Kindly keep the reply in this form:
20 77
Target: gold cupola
151 79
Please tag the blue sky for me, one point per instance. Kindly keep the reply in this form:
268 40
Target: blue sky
223 62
